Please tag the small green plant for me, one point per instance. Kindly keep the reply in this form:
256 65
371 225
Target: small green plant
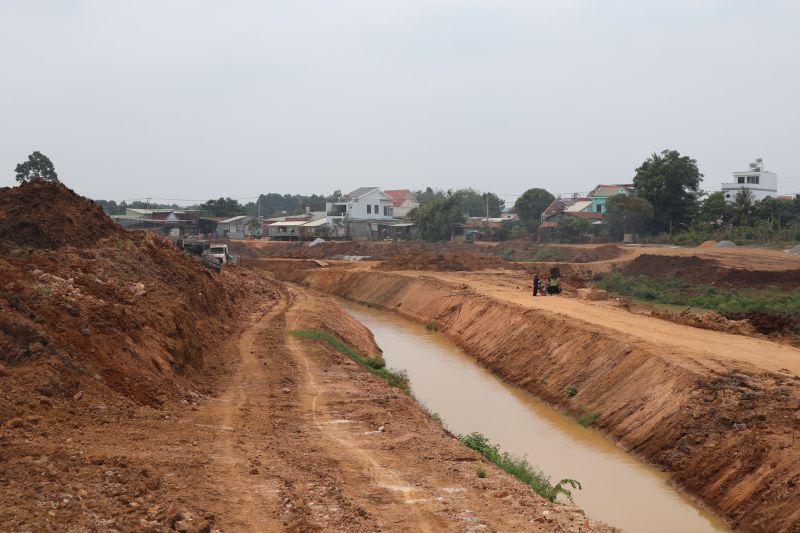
395 378
44 290
369 304
571 390
588 418
518 467
118 242
431 326
480 471
547 376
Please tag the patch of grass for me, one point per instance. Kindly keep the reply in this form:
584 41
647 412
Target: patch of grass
588 418
44 290
518 467
431 326
671 290
395 378
508 255
571 390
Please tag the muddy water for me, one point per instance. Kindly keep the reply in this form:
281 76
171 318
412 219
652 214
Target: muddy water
617 488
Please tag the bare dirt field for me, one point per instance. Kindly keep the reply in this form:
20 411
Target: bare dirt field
713 401
141 392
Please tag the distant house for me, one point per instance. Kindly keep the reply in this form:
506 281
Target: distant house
469 231
758 180
402 202
231 227
601 193
578 207
364 203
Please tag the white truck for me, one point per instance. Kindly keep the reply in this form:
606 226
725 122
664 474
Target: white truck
223 255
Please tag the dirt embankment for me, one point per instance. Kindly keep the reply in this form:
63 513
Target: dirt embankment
446 262
701 271
376 251
723 430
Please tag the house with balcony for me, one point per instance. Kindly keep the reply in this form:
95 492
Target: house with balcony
760 182
364 203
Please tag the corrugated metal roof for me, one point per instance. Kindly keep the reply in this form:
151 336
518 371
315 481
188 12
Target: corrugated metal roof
232 219
315 223
289 223
578 206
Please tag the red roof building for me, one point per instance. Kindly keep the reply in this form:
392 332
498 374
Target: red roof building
402 202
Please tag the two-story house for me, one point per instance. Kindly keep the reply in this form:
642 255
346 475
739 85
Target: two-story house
364 203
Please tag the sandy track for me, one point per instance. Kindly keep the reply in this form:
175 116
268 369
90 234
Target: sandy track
678 342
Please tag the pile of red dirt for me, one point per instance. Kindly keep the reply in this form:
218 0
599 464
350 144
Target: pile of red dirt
772 324
709 271
132 315
707 244
44 214
447 262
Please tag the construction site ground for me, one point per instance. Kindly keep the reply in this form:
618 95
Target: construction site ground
716 404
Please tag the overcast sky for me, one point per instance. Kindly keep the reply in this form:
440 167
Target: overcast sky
194 100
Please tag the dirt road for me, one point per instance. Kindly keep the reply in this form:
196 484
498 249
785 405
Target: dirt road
295 437
684 345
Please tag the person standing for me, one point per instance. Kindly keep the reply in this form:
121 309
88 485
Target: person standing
553 285
535 284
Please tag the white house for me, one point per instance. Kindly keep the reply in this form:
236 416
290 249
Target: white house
364 203
402 202
758 180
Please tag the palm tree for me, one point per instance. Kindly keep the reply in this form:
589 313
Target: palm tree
743 205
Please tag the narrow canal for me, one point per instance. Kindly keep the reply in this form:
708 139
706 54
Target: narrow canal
618 488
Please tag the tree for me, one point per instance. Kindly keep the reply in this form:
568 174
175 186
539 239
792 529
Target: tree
743 207
254 225
713 208
627 214
532 204
569 227
775 210
224 207
671 184
436 220
37 167
428 196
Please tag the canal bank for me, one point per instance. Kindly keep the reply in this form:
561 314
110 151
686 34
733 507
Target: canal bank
618 488
712 409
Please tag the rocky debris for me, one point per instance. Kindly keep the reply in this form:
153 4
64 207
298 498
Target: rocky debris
592 294
709 320
724 244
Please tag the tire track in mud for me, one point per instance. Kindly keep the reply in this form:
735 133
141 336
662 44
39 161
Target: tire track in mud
246 494
386 477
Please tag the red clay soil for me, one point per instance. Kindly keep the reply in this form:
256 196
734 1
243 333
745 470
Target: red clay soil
447 262
43 214
707 271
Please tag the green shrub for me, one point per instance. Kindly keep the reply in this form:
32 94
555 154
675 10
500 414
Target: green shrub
369 304
431 326
547 253
571 390
588 418
519 468
480 471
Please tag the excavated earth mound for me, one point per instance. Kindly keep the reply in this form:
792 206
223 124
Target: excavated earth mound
590 255
447 262
43 214
700 271
772 324
376 251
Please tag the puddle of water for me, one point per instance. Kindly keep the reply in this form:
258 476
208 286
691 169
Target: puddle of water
617 488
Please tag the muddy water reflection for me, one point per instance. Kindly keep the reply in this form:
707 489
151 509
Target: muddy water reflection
617 488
